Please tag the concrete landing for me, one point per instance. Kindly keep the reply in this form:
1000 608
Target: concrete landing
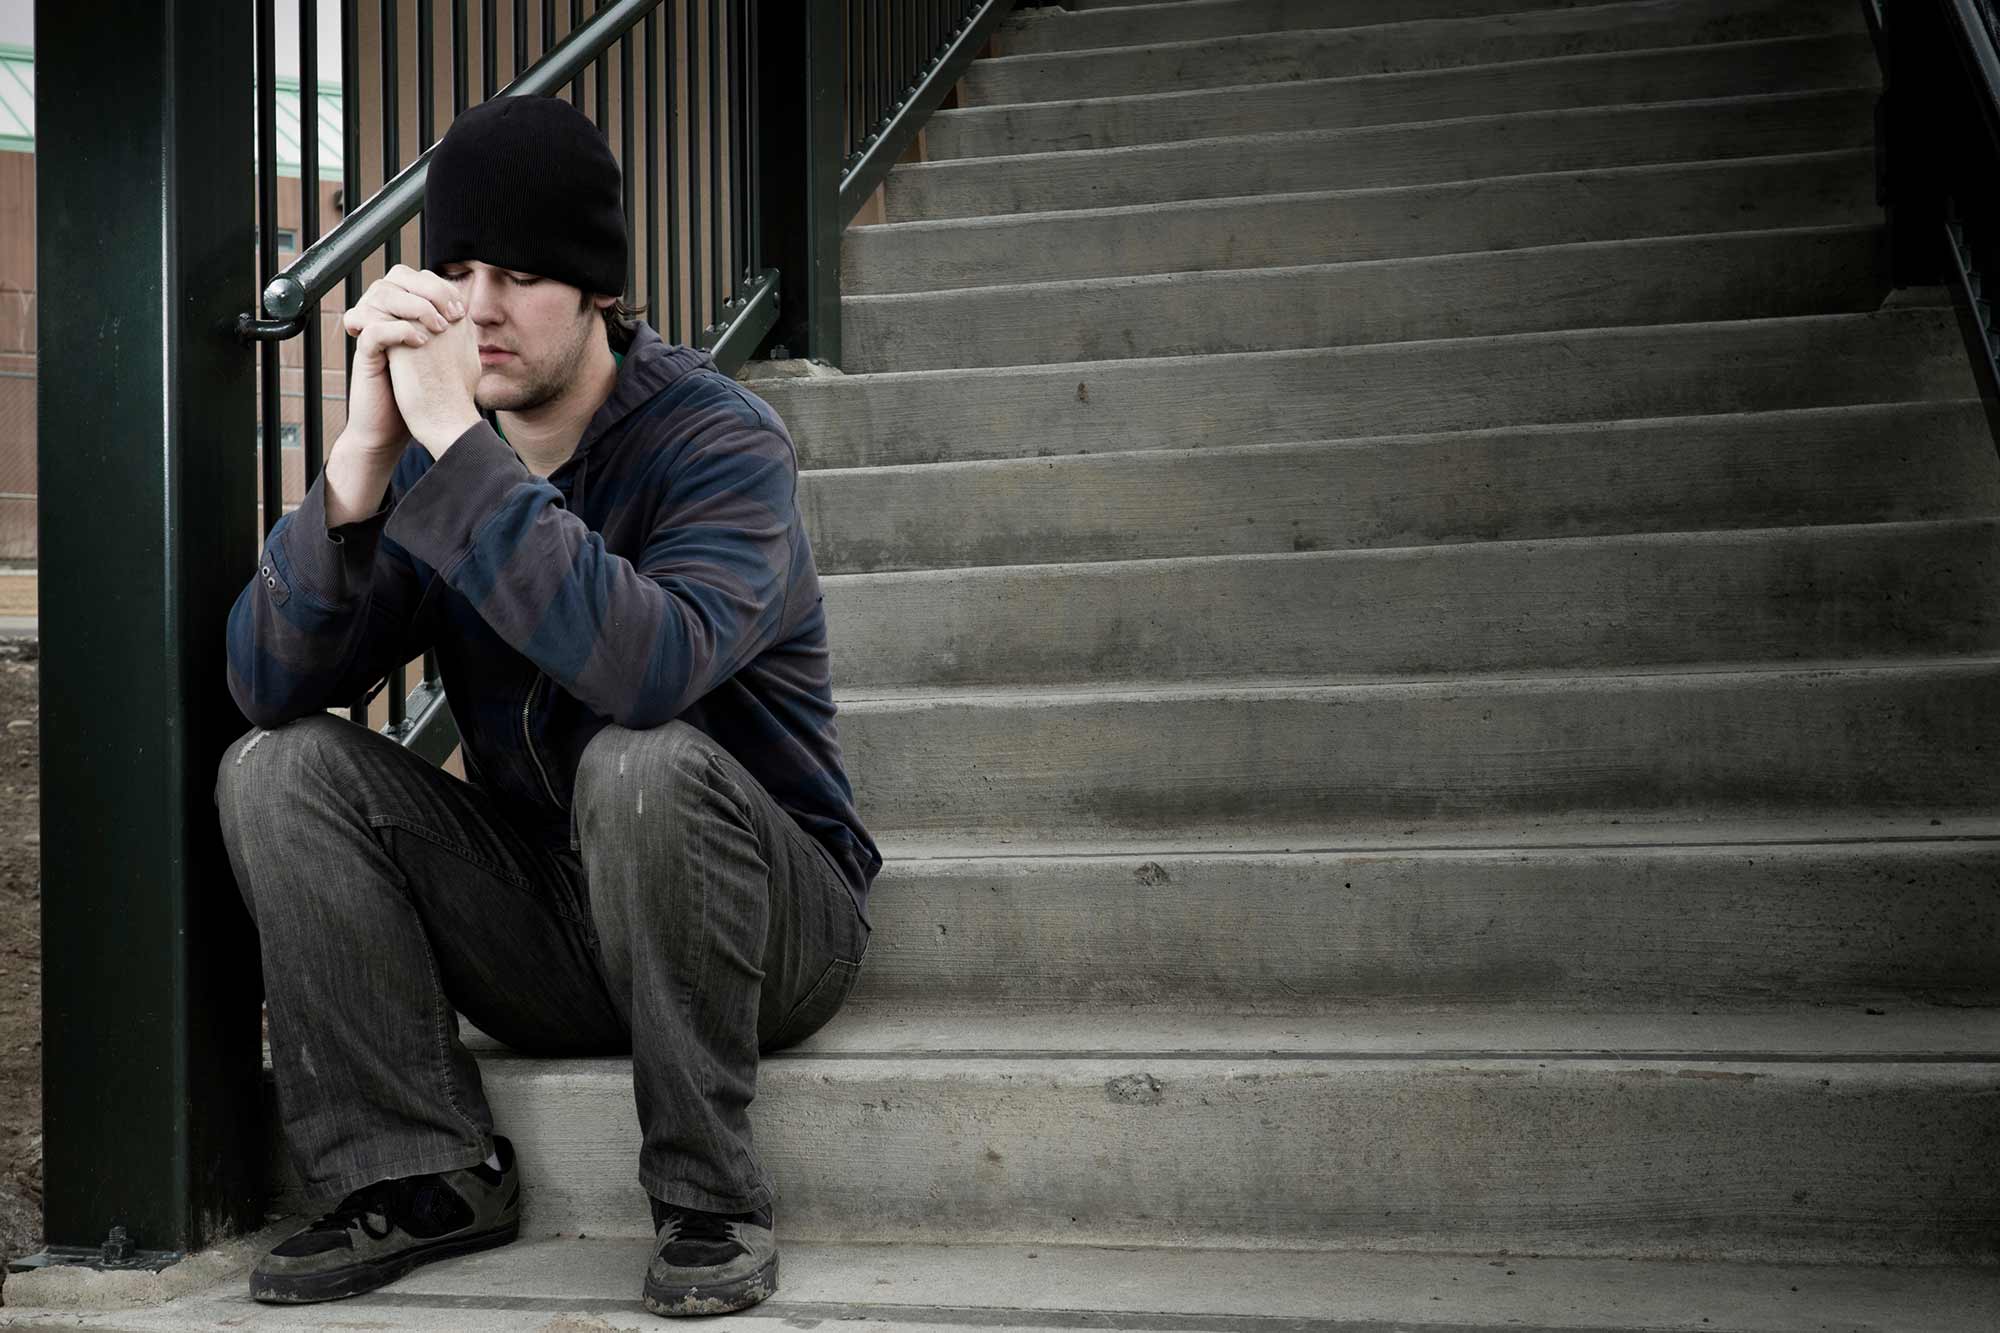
566 1285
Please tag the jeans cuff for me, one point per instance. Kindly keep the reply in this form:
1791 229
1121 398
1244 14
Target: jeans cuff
444 1159
686 1194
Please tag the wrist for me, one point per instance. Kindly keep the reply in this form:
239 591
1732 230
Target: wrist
437 438
367 448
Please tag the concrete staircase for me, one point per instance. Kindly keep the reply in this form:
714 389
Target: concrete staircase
1424 648
1421 644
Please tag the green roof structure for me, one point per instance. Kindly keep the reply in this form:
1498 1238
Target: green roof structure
17 99
17 115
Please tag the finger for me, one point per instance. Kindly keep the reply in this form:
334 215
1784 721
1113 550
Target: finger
432 287
378 338
388 302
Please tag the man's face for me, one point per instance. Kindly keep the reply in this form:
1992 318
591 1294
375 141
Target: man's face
534 333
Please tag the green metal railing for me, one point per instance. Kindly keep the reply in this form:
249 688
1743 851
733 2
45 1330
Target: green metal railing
148 214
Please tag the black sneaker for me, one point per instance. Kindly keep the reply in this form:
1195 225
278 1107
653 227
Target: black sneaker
710 1263
382 1231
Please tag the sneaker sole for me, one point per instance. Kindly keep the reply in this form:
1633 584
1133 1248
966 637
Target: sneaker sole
307 1288
716 1298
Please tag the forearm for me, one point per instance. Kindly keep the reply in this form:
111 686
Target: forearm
356 478
636 642
326 613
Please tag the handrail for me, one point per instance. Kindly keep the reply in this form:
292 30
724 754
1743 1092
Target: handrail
329 259
872 162
1978 31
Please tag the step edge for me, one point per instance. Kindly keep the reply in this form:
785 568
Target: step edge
1742 236
1844 91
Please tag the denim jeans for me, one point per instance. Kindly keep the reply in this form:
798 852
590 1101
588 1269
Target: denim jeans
690 921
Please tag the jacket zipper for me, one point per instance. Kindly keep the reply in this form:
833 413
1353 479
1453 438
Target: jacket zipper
528 739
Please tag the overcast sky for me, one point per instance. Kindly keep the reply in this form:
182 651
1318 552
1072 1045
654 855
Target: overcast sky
17 28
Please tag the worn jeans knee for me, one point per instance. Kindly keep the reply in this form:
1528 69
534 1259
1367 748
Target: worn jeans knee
724 930
258 783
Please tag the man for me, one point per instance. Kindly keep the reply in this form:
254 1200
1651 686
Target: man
657 849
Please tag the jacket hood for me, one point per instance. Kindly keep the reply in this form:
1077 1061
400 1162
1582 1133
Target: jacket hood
650 363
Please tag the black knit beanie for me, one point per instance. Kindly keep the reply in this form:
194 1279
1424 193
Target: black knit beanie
528 183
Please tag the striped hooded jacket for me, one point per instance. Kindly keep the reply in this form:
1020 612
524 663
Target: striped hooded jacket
661 573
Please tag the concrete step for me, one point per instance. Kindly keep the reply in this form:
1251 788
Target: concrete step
1329 52
1593 284
1430 152
1674 915
1869 464
1610 78
1873 591
1761 1136
1834 188
1897 354
1054 29
1213 761
559 1283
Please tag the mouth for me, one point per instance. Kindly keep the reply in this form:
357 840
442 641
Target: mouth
492 355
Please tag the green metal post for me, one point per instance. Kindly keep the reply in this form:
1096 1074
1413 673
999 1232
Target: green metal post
148 530
802 50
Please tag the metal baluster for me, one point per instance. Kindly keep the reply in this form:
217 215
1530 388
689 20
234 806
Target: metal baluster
671 330
576 84
652 72
878 62
392 248
426 106
717 143
548 24
752 153
350 185
739 155
489 49
695 323
603 91
314 432
271 414
627 166
520 37
460 39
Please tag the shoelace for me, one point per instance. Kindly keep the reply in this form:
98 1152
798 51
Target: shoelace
691 1225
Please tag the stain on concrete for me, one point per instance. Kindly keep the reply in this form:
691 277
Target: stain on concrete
575 1323
1152 875
1134 1090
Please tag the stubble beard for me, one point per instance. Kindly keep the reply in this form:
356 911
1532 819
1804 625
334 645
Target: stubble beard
542 386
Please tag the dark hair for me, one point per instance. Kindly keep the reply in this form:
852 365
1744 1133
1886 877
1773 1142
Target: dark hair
621 321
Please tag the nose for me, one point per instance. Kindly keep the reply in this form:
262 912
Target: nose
483 301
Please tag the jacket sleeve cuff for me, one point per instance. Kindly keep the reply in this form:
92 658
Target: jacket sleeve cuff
330 565
439 517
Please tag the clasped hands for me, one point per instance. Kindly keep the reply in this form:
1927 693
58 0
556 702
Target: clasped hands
416 364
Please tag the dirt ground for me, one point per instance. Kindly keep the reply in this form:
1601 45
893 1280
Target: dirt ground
20 952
